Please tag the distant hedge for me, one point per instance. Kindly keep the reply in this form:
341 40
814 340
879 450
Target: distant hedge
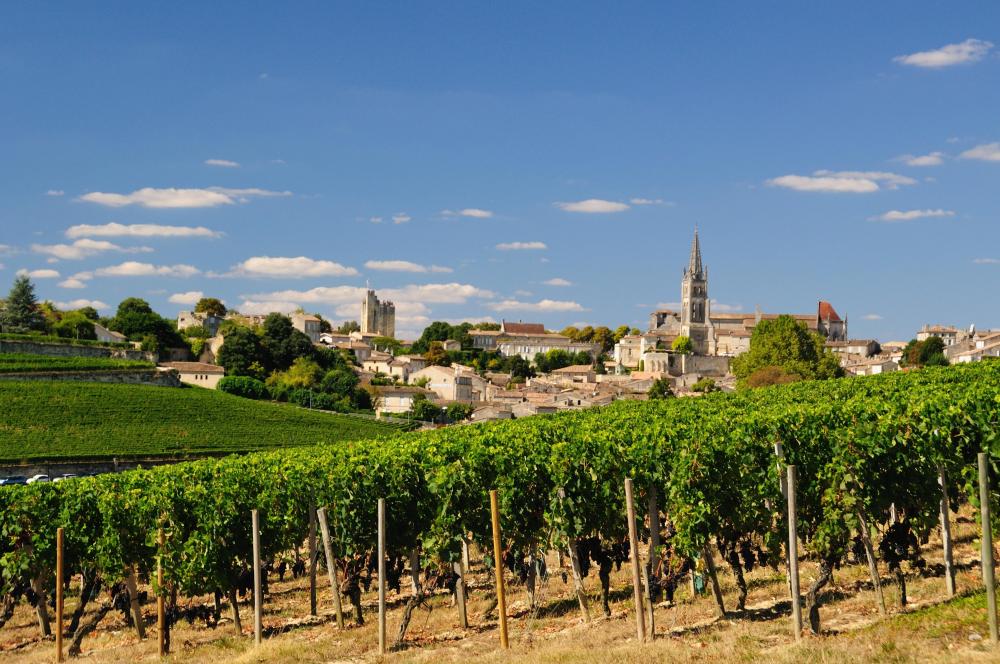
68 341
243 386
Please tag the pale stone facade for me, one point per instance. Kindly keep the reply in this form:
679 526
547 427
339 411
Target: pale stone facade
377 318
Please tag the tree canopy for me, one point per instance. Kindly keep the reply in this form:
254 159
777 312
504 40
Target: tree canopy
787 344
211 306
20 311
682 344
926 353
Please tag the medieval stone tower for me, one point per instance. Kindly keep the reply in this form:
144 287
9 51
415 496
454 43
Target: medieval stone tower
695 322
377 317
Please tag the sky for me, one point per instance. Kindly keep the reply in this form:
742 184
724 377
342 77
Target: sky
524 161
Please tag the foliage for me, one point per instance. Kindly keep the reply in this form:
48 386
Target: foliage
46 339
25 363
457 412
682 345
436 355
347 327
424 410
20 312
929 352
705 385
243 386
211 306
660 389
101 420
137 321
75 325
558 358
771 376
303 374
442 331
786 343
283 344
242 353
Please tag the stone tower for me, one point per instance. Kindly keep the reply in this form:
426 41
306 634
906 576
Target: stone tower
695 322
377 317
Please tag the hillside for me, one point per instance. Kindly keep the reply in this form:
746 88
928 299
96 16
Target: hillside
28 363
54 420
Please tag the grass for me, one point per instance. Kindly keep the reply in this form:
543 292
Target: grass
79 420
929 630
25 363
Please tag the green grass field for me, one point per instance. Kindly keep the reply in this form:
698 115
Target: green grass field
73 420
25 363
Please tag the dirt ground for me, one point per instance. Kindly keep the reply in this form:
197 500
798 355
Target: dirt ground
929 629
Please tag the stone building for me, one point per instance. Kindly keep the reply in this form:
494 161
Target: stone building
378 318
527 340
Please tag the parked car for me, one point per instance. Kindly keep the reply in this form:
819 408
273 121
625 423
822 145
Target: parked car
38 478
13 479
65 476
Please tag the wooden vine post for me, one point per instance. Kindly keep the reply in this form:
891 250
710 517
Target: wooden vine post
381 576
713 577
161 613
258 600
633 541
331 565
133 592
574 563
987 550
793 555
460 571
949 568
498 567
866 541
313 555
59 594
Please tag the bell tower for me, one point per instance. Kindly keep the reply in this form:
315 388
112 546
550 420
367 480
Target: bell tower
695 322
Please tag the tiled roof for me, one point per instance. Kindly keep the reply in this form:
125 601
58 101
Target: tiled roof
523 328
827 312
194 367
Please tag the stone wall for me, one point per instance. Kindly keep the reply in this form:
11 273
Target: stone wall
154 377
69 350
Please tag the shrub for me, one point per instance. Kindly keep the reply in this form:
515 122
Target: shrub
243 386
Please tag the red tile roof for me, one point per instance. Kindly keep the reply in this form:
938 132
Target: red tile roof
523 328
827 312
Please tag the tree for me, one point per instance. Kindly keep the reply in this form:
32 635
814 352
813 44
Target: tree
457 412
605 339
137 321
439 330
75 325
387 344
304 373
929 352
422 409
20 311
788 344
705 385
90 313
348 326
620 332
283 343
242 354
771 376
682 345
211 306
341 382
660 389
436 355
520 368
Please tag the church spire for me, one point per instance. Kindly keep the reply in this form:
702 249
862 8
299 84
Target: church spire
694 264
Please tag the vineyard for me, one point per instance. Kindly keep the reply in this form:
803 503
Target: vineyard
25 363
75 420
869 454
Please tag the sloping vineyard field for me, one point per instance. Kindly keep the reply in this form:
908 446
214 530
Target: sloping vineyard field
24 363
865 448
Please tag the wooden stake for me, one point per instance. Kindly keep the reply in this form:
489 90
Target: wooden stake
949 568
866 541
133 593
313 555
574 562
987 551
633 541
59 594
258 599
498 567
463 615
381 576
793 555
331 565
654 529
161 613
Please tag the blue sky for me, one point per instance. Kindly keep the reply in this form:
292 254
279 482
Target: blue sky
535 161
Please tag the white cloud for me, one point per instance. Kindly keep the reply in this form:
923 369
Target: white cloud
649 201
986 261
190 297
985 152
297 267
72 282
476 213
404 266
172 197
38 274
6 250
136 269
450 293
521 246
375 220
401 218
872 317
558 281
910 215
55 192
523 293
139 230
593 206
83 248
855 182
266 307
80 304
223 163
541 305
930 159
971 50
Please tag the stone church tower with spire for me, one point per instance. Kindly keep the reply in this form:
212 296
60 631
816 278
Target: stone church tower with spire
696 321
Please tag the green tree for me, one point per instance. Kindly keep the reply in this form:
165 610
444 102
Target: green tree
789 345
705 385
341 382
926 353
75 325
519 368
283 343
347 327
90 313
137 321
424 410
436 355
605 339
682 345
458 412
304 373
243 354
20 310
621 331
387 344
660 389
211 306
